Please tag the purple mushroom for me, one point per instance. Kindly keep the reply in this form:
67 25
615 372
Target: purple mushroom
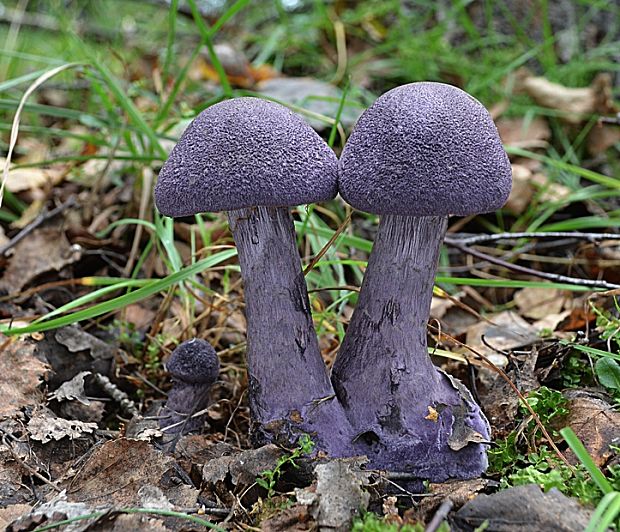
255 159
194 367
420 153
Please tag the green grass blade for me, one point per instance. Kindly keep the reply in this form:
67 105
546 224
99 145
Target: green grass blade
127 299
606 512
591 350
590 175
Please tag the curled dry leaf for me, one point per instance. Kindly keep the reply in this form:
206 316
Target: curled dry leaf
596 424
524 133
524 507
22 179
45 250
72 390
574 104
44 426
20 376
536 303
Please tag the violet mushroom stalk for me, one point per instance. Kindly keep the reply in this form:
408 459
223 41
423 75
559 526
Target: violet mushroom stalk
255 159
420 153
194 367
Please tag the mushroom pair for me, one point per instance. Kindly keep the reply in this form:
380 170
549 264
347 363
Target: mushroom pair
421 152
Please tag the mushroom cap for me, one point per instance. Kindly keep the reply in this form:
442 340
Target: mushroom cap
242 153
194 362
425 149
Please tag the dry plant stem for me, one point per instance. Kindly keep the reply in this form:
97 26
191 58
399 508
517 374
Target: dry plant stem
38 221
529 271
477 239
288 379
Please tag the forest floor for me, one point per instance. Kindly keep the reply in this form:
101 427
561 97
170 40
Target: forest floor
97 288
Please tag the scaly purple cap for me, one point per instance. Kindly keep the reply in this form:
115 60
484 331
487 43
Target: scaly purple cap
425 149
246 152
194 362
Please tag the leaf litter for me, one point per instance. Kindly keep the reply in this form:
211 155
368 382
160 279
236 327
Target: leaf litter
70 445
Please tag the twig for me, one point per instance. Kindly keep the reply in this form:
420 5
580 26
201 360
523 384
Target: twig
476 239
529 271
27 467
39 220
441 513
324 249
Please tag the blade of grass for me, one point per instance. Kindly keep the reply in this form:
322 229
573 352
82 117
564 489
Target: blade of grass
590 175
128 106
154 511
119 302
15 127
206 35
591 350
605 514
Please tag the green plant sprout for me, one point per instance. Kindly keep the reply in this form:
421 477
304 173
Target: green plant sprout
268 479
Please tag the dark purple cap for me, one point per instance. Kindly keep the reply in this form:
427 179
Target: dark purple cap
425 149
194 362
246 152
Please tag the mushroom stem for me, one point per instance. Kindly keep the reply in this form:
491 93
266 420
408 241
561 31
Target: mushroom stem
289 386
392 393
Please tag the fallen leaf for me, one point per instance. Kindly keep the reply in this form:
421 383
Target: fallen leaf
116 471
549 190
524 508
44 426
576 104
46 249
69 350
596 424
22 179
523 132
316 96
20 376
10 513
522 190
602 137
536 303
507 331
72 390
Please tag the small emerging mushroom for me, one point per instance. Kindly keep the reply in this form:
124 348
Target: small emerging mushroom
255 159
420 153
194 367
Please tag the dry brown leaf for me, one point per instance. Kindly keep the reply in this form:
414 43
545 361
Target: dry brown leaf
20 376
46 249
524 133
596 424
21 179
537 303
508 331
575 104
522 190
45 426
550 190
602 137
10 513
116 471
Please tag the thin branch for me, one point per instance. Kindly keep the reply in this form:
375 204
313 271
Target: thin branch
529 271
476 239
38 221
